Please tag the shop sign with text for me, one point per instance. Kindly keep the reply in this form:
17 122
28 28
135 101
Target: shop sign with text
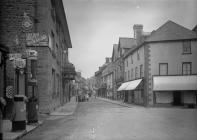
37 39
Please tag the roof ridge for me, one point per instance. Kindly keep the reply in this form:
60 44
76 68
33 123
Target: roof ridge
176 32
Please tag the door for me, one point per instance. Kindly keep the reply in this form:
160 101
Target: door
126 96
177 98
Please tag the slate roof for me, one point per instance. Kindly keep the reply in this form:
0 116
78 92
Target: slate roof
127 43
171 31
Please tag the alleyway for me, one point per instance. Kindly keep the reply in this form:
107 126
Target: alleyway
100 120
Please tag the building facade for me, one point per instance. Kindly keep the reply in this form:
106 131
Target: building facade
107 78
124 45
41 26
163 67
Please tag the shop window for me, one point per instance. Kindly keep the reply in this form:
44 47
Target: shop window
163 68
187 47
186 68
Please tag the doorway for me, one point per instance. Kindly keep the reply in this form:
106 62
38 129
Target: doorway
177 98
126 96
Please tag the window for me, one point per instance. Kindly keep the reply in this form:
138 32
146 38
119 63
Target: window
163 68
187 47
128 75
131 73
131 59
136 72
138 55
141 71
186 68
127 62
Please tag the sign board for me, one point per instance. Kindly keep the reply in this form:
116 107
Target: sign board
27 22
13 56
19 63
69 76
37 39
31 54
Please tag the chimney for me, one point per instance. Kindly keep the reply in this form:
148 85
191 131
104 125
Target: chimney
138 30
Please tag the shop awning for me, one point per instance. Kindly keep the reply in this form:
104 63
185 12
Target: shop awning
123 86
170 83
133 84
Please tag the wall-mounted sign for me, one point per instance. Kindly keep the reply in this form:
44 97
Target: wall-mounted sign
31 54
37 39
27 23
69 76
13 56
19 63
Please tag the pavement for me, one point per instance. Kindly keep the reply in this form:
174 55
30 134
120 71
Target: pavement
68 109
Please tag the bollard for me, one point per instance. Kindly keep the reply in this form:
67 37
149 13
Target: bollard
19 120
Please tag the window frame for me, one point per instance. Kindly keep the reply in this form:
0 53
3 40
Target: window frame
138 55
141 71
190 71
186 49
160 68
136 72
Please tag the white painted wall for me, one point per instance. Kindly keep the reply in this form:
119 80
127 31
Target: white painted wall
171 53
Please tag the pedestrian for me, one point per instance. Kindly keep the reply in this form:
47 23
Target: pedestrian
2 105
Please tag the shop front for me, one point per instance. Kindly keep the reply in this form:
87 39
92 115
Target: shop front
132 91
175 90
67 76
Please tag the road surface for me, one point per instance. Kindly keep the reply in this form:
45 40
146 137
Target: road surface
100 120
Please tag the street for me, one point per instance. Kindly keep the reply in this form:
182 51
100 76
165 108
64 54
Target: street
101 120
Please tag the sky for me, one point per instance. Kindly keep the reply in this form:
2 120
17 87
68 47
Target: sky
95 25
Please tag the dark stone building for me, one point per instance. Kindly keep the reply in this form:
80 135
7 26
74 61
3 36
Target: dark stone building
40 25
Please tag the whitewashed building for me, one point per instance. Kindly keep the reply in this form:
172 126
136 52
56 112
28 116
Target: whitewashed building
162 68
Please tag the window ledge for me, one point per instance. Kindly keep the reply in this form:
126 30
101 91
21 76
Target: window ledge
186 53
